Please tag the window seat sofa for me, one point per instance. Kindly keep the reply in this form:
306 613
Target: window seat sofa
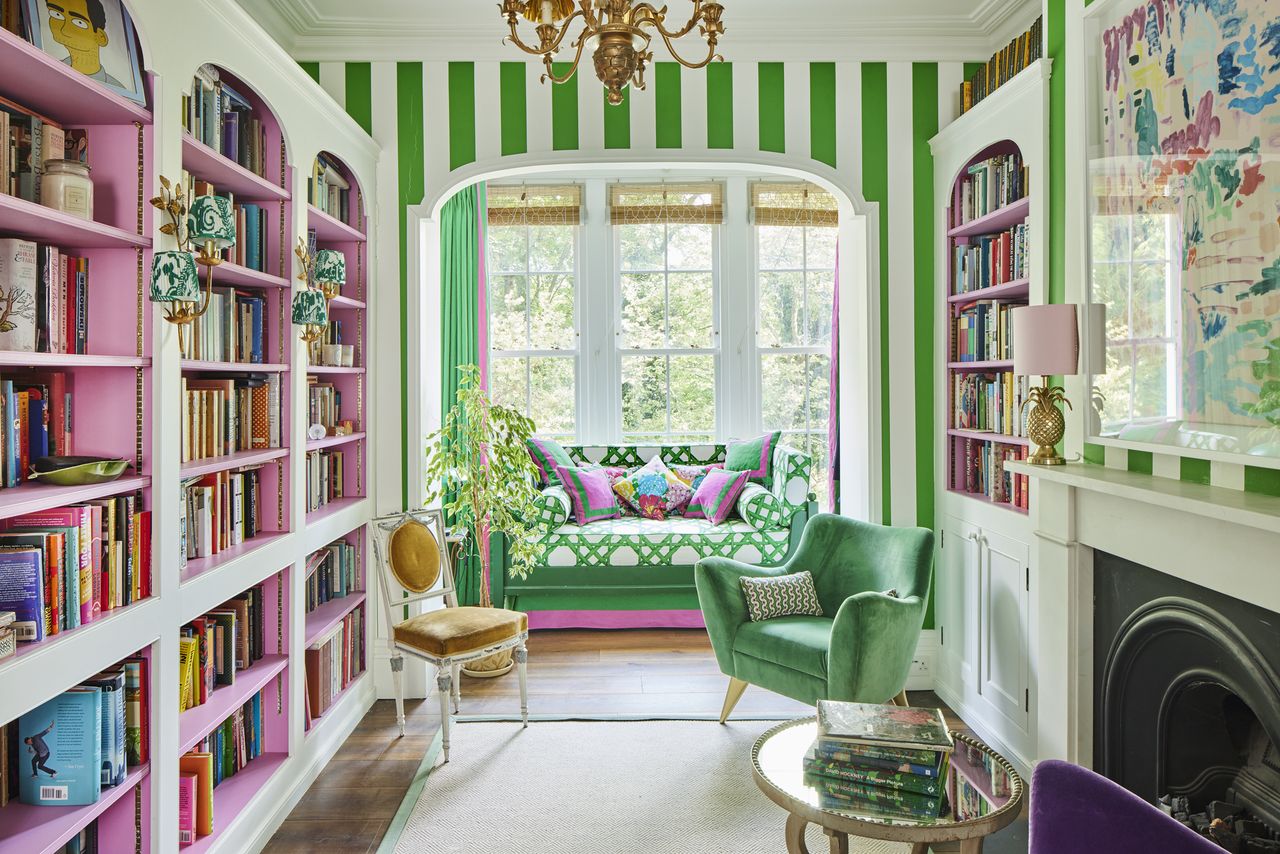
612 573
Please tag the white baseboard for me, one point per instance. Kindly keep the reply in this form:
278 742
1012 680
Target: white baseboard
924 663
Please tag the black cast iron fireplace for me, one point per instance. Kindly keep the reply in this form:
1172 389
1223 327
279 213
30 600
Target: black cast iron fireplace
1187 699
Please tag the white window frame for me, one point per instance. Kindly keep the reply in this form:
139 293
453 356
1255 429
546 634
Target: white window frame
621 350
573 353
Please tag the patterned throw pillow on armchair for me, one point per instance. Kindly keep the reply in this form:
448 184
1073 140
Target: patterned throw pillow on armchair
781 596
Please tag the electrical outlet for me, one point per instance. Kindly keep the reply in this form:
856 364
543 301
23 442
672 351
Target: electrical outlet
920 667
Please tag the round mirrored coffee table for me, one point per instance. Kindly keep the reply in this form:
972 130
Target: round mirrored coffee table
777 765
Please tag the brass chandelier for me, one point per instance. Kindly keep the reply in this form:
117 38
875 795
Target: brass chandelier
615 34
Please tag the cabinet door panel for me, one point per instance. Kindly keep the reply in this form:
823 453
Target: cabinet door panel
956 580
1004 661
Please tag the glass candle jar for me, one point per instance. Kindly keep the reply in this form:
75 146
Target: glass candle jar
66 187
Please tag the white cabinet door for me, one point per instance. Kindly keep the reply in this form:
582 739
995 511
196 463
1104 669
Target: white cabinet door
1003 677
956 578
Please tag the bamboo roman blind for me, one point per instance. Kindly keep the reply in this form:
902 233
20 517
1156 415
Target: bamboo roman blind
535 205
792 203
670 204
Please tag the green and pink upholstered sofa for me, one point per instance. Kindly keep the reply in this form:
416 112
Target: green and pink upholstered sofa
631 571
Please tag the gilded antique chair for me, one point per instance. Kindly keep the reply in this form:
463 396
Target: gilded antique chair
413 555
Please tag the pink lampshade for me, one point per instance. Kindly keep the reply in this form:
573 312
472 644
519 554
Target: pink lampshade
1045 340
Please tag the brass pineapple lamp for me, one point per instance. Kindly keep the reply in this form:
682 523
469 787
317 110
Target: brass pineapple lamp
1046 342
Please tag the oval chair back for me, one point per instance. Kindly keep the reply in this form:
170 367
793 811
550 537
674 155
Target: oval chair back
414 560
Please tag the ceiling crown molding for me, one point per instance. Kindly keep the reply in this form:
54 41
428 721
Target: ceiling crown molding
307 34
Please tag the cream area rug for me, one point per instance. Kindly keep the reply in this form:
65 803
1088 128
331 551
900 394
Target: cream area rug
597 787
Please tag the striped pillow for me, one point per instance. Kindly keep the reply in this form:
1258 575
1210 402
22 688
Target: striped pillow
781 596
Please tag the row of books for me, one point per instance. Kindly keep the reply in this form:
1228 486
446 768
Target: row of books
233 329
1003 66
983 332
224 752
45 297
333 663
65 567
989 402
35 421
324 404
978 468
67 750
226 415
28 140
249 249
325 475
977 784
990 260
213 647
84 842
220 511
988 186
223 119
332 573
881 761
328 190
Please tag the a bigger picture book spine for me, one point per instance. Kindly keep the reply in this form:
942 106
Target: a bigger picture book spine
114 763
61 746
896 780
915 804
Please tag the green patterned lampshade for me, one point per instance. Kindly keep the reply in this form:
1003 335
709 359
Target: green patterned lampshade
212 220
310 308
330 267
173 277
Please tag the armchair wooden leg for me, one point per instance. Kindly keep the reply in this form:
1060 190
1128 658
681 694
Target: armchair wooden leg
731 697
397 682
901 699
457 688
444 686
522 661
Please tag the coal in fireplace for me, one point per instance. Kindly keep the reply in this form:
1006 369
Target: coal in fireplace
1187 701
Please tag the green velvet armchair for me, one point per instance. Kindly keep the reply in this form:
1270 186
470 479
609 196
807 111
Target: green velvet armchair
860 649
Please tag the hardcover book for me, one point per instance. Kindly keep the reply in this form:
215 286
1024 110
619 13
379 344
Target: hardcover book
112 685
186 808
22 591
137 706
201 764
17 295
889 726
61 746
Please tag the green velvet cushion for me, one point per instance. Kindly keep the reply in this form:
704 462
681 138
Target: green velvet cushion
798 642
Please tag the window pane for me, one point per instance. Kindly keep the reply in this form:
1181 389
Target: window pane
693 394
507 382
551 249
551 395
821 293
819 368
506 313
781 247
642 310
641 246
781 309
689 247
782 391
644 394
1149 289
551 321
1111 288
690 297
1150 382
1110 238
822 248
815 445
1150 237
507 248
1113 387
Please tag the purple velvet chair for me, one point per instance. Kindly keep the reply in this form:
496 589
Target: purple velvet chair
1075 811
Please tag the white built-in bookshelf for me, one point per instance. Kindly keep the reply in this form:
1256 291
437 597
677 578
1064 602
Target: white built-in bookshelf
292 569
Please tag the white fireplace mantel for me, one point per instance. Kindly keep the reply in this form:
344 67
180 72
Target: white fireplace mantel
1223 539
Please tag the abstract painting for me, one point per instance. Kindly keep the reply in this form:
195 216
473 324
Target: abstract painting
1186 127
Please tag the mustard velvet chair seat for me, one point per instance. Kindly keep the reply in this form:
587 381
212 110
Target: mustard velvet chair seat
872 582
415 566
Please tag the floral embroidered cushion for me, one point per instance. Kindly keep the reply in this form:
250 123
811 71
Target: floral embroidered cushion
547 455
716 496
693 475
780 596
654 491
754 456
590 494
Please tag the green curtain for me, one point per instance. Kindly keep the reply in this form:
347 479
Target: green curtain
459 326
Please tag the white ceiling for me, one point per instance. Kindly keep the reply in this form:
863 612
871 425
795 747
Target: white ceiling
755 29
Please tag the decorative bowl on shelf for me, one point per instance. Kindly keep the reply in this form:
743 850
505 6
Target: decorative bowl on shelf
77 471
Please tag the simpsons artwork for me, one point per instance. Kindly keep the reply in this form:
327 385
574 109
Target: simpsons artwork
95 37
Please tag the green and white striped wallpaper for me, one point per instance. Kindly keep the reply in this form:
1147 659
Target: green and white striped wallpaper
868 121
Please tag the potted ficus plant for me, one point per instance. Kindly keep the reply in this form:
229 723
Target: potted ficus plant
479 469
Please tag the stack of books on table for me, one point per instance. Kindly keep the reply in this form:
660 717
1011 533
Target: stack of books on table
884 762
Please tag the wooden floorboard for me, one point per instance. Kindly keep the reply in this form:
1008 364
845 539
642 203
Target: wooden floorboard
635 672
